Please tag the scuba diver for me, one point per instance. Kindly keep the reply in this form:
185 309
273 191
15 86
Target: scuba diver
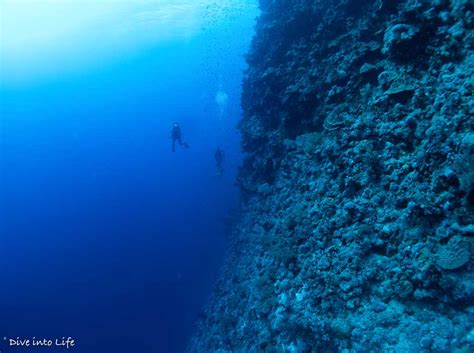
219 157
176 136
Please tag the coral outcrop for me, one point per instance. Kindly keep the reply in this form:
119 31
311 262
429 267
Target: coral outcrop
357 223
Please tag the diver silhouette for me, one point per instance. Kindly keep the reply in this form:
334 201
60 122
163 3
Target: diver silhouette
219 156
176 136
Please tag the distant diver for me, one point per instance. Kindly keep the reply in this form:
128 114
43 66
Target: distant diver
219 156
176 136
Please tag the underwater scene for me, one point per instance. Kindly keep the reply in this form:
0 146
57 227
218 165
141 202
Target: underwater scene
237 176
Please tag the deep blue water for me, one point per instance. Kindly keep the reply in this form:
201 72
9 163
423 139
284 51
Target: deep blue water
106 235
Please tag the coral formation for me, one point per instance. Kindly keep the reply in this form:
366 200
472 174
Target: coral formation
453 255
357 185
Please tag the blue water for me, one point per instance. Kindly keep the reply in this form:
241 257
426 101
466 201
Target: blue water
106 235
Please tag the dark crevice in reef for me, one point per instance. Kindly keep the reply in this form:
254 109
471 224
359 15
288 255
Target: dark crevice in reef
356 227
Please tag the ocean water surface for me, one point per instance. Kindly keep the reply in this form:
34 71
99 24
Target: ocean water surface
106 236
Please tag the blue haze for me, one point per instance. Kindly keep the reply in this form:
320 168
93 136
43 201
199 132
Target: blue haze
106 235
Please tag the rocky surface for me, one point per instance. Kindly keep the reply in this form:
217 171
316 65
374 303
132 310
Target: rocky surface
357 223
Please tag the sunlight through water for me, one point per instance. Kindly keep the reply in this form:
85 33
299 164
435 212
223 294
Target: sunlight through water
40 38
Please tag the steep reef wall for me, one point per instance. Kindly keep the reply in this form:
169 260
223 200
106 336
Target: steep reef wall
357 224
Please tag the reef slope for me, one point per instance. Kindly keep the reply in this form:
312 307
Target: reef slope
356 230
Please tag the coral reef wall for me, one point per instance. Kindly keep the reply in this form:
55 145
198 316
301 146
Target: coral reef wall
357 223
